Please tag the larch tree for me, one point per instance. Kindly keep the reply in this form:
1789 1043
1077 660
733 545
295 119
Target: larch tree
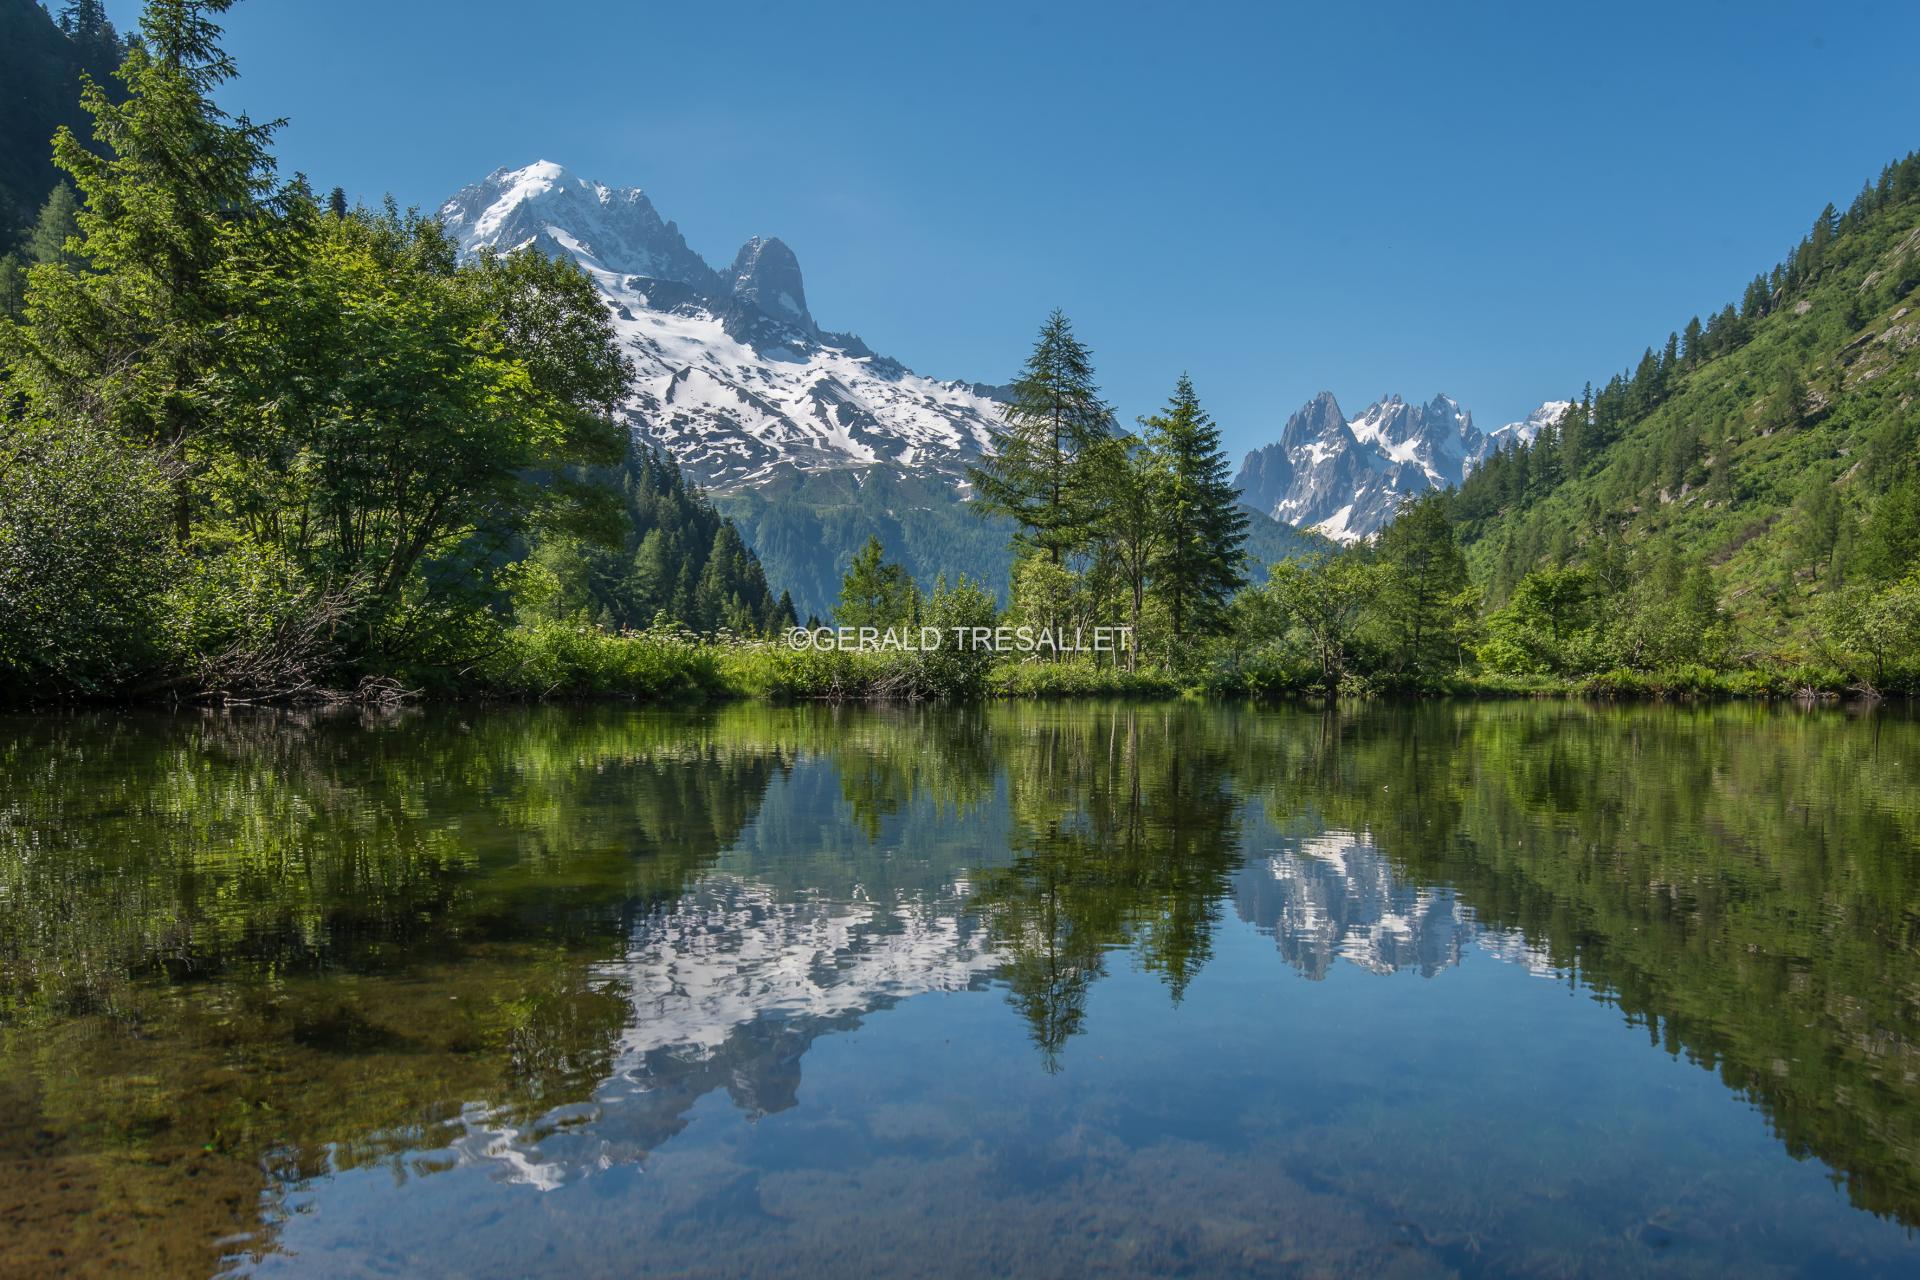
1037 466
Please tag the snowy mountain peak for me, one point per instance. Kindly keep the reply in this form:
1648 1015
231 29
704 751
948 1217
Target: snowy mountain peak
736 381
543 204
1320 421
1346 476
766 275
1529 427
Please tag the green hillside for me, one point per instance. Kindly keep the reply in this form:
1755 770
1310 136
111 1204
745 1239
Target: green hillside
806 529
1774 444
41 61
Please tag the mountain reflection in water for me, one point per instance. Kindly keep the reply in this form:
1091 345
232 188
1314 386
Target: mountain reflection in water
250 960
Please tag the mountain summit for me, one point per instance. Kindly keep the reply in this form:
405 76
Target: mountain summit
736 381
1345 477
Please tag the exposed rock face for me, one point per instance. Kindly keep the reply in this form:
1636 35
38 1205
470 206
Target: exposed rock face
1345 477
766 286
737 382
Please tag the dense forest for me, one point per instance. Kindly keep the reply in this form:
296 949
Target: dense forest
1739 512
1749 492
42 58
261 442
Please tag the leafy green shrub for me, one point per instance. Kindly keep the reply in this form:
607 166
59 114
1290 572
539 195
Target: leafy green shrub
1818 680
84 549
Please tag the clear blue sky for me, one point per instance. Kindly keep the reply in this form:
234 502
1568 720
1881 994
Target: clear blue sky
1498 202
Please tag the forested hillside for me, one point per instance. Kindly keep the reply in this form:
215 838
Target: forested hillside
41 61
674 559
1772 446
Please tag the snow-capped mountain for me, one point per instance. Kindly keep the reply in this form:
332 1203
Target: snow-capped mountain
1345 477
1336 896
736 380
1528 428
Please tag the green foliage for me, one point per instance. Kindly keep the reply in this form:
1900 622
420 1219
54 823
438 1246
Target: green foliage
83 559
1422 600
876 593
1877 630
1038 466
672 557
1771 448
1195 565
1324 599
957 670
561 660
359 436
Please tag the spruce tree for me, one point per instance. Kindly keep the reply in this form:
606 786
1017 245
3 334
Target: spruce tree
1036 469
1425 573
177 213
1197 566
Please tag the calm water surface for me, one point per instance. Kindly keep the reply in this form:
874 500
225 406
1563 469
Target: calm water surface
1024 990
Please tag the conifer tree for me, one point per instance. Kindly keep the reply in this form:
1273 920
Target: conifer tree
1424 573
1036 470
177 207
875 593
1197 565
58 223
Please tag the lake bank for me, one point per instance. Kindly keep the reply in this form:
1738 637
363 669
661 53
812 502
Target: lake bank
559 662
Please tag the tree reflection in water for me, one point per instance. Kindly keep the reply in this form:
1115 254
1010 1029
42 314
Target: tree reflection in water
238 953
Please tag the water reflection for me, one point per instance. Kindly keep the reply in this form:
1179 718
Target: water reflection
247 956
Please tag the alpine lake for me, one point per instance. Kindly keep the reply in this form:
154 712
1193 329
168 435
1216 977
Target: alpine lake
1025 989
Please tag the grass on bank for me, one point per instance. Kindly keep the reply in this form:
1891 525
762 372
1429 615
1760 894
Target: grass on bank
675 667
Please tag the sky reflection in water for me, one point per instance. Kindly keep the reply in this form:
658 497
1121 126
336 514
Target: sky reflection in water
1054 990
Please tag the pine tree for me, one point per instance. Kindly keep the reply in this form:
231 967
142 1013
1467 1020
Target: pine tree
337 202
58 223
1036 467
1197 566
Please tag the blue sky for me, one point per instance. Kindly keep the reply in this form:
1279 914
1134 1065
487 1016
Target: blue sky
1499 202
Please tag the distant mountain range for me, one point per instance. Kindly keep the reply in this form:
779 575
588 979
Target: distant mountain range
1344 477
811 441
